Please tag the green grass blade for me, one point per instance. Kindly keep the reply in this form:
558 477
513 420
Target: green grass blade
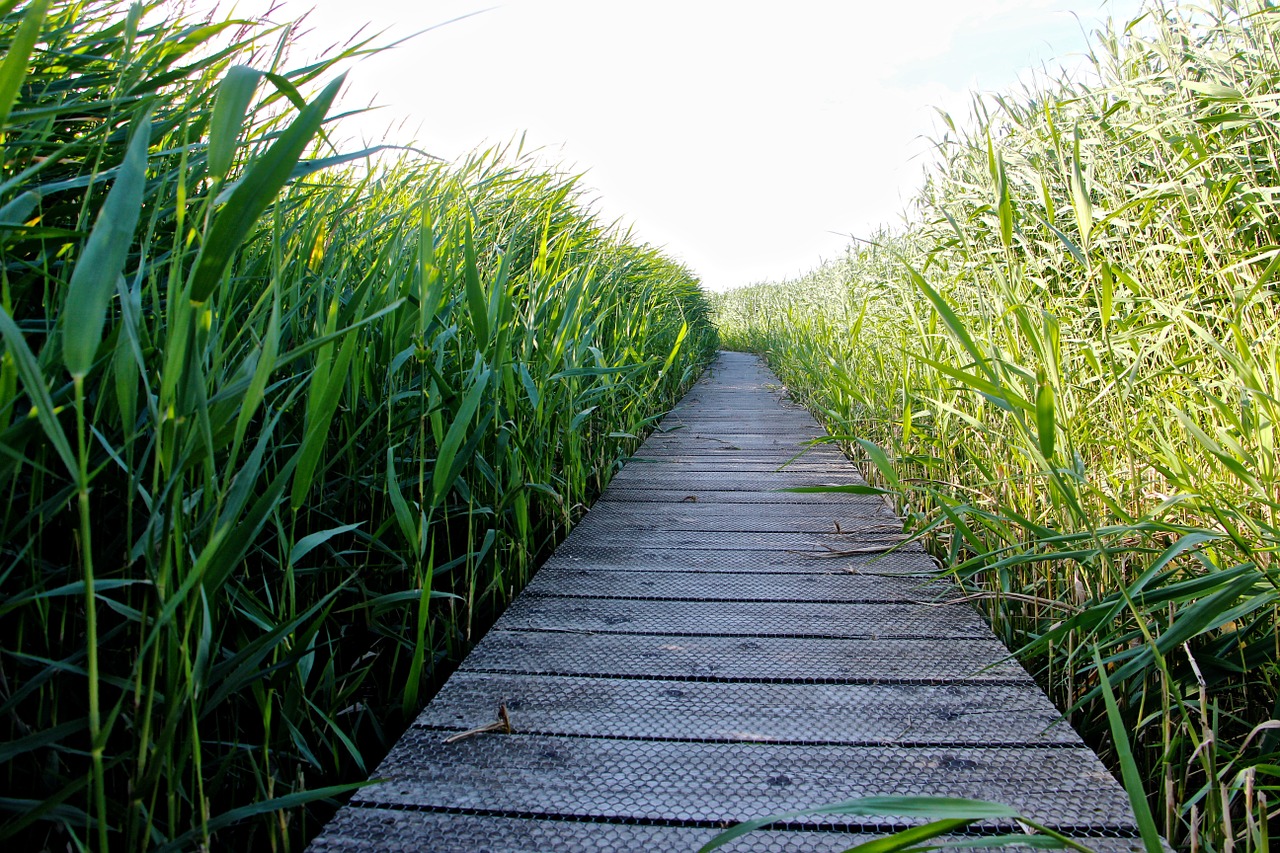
882 462
1128 766
476 301
15 213
951 319
1046 425
266 356
41 739
229 110
33 382
322 405
910 839
1080 201
311 541
14 68
404 515
937 808
261 184
94 278
443 476
850 489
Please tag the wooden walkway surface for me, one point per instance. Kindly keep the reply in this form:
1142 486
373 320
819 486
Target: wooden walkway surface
704 649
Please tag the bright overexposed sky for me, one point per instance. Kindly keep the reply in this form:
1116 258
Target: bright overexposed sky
746 138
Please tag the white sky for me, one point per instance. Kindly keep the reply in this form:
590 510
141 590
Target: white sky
747 138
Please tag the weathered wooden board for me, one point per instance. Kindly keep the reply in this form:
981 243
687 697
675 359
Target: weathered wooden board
693 781
764 518
833 588
640 557
764 483
867 714
925 661
694 462
741 618
727 540
362 829
865 504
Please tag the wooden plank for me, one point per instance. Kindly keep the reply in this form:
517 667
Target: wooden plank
884 714
815 544
729 782
864 504
386 829
693 462
812 587
763 518
767 482
741 618
582 552
708 435
737 659
781 443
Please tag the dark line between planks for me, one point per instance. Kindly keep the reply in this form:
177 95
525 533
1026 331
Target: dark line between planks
720 679
1074 830
862 744
705 635
698 600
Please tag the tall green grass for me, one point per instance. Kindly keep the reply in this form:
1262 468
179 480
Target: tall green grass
279 431
1066 364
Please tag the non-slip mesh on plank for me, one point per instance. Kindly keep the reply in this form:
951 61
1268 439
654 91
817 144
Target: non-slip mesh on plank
779 454
387 830
764 462
729 446
710 435
714 518
867 714
780 659
796 428
749 487
715 441
728 540
782 409
587 552
719 395
733 781
798 425
692 463
720 391
713 438
672 477
732 464
741 619
697 515
864 505
600 583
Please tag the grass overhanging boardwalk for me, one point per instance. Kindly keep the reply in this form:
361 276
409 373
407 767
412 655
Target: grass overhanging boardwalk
704 649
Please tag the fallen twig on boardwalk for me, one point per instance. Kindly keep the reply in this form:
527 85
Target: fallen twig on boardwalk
502 724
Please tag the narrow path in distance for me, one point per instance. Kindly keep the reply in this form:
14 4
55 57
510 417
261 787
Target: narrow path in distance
704 649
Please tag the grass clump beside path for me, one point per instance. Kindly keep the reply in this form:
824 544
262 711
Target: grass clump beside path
279 434
1066 366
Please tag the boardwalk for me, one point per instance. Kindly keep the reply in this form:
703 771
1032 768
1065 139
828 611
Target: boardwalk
704 649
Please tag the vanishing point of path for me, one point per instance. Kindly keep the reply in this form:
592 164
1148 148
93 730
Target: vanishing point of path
704 649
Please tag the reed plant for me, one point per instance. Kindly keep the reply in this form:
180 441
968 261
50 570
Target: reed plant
1065 363
281 427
